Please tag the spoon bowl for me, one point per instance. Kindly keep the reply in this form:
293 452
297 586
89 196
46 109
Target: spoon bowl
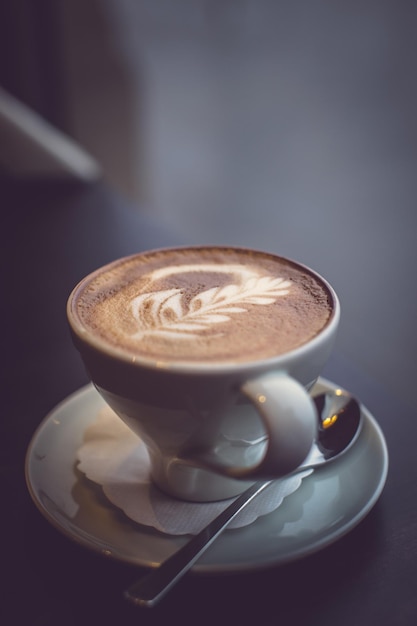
339 425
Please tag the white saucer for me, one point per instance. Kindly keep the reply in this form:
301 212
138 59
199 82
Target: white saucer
329 503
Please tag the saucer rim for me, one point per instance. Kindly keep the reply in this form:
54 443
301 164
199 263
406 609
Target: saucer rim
97 545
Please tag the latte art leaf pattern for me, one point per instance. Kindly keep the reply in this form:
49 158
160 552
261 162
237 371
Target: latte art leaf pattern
165 312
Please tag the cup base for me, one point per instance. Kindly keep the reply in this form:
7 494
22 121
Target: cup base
185 482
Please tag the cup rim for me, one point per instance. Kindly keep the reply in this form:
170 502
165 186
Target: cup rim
190 366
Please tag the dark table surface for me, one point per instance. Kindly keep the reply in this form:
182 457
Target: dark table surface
52 235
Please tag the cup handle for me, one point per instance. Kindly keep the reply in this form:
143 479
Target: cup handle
290 420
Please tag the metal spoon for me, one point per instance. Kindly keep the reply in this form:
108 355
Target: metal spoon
340 421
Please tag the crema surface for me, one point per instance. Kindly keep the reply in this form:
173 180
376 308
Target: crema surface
204 304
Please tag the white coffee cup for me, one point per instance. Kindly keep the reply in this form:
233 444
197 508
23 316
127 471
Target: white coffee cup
211 425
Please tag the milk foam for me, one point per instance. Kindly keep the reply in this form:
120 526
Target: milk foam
164 312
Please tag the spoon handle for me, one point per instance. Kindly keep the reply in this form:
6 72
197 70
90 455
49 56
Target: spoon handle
153 586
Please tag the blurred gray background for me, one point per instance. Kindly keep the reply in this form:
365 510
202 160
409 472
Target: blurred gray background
287 126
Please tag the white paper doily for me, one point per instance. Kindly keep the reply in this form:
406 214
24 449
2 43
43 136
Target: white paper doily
112 456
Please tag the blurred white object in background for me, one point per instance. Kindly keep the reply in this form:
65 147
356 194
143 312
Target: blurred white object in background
31 147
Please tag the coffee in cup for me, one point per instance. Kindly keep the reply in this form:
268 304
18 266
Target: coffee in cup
204 305
208 353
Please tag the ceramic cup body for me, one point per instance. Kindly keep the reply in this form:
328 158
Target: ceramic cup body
211 428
